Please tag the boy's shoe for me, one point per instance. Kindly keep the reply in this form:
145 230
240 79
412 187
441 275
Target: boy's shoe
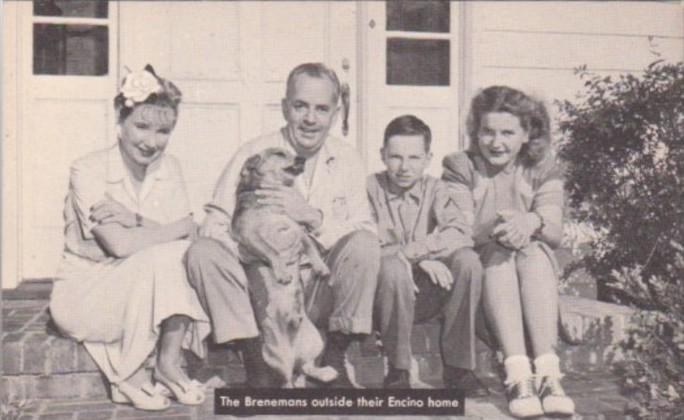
554 400
259 374
397 379
334 355
464 380
523 400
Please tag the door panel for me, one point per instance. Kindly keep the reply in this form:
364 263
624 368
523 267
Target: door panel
201 153
286 44
210 51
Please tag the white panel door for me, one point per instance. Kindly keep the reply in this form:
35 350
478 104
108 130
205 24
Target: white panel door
68 72
412 67
231 60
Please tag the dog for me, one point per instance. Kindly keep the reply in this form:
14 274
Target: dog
267 236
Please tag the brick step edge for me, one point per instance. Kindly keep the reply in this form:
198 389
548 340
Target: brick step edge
598 325
365 369
85 385
39 365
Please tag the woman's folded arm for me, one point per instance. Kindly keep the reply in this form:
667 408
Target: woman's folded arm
122 242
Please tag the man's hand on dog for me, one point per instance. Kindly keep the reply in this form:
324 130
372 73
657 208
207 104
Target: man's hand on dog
291 202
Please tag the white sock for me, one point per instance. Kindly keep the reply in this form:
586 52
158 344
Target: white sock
517 368
547 365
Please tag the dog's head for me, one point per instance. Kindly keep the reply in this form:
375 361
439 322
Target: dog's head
273 166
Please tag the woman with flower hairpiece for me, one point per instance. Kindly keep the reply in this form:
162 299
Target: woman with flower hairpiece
122 288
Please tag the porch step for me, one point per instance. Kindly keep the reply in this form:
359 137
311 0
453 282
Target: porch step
37 363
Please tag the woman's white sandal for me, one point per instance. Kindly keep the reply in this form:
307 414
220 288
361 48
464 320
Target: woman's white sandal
188 393
554 400
146 397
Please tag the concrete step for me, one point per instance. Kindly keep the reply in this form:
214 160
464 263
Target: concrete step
37 363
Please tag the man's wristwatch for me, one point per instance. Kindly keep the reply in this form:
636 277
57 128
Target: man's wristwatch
138 220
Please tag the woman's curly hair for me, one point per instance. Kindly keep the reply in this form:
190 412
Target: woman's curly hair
532 113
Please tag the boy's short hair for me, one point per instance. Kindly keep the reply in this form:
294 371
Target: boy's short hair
407 125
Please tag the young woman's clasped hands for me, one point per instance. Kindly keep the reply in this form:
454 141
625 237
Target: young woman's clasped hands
514 229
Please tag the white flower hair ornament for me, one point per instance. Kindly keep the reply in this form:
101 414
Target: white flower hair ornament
145 86
138 86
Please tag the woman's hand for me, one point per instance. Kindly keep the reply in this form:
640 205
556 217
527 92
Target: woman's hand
111 211
514 229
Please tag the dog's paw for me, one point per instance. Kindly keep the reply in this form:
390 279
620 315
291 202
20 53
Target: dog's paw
282 275
299 381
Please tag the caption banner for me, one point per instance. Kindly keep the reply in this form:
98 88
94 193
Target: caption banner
339 401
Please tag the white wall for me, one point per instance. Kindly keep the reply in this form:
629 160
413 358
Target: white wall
536 46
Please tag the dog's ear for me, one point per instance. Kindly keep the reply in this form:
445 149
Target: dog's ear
297 166
249 172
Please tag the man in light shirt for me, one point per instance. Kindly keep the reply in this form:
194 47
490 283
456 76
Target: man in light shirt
329 200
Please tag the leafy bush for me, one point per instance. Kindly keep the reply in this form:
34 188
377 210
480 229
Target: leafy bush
652 372
623 145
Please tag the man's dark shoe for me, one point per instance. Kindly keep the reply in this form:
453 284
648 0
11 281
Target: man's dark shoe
259 374
464 380
397 379
334 356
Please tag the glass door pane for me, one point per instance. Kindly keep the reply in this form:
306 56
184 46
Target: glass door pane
71 37
70 49
418 16
418 62
71 8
